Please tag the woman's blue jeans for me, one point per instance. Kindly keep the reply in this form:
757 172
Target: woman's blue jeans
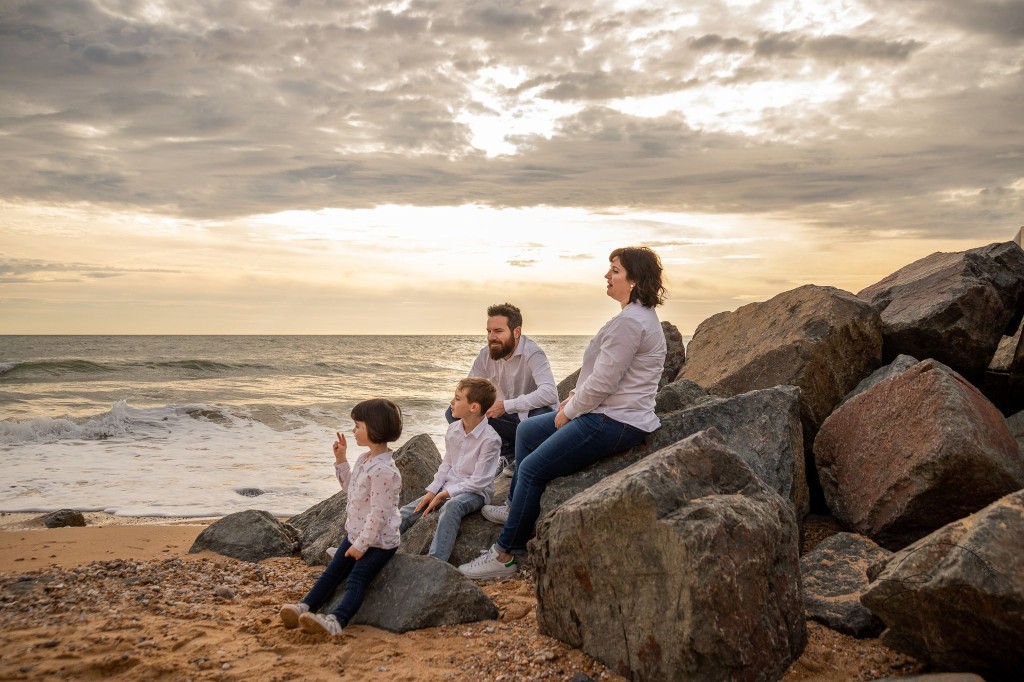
450 518
358 573
544 453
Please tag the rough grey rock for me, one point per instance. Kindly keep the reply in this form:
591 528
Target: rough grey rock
954 307
679 395
568 385
936 677
675 355
914 453
1016 426
323 525
415 592
64 518
1003 382
898 366
475 534
762 427
821 339
956 597
834 575
248 535
707 554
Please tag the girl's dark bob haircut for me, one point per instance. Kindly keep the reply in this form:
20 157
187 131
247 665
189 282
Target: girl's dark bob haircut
382 417
643 268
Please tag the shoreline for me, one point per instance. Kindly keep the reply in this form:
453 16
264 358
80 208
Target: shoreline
122 598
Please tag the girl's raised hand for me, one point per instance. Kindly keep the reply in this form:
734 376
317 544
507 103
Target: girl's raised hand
340 448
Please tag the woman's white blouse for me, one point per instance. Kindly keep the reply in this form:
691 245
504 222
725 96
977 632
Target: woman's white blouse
622 367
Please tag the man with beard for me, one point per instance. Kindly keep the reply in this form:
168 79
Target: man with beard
519 369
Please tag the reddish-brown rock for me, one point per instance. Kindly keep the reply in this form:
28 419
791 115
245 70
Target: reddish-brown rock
913 453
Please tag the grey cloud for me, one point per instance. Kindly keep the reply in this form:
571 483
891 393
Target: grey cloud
521 263
221 110
835 47
29 271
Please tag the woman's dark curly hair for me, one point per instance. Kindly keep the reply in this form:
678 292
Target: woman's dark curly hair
643 268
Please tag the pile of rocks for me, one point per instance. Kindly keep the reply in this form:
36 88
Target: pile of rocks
887 409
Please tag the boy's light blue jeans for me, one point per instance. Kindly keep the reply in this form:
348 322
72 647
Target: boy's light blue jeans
451 514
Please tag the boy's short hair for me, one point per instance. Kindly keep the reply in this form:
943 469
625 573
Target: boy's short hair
479 390
382 417
509 311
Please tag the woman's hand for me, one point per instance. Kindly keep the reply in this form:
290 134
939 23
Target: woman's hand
560 419
340 448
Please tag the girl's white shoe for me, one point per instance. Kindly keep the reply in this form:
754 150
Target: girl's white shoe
314 622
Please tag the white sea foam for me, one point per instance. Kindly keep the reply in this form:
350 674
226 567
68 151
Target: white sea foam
176 426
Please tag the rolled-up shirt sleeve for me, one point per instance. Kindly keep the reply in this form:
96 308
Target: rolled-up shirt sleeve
546 393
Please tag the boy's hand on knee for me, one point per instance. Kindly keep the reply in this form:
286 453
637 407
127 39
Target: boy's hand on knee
354 553
424 502
438 500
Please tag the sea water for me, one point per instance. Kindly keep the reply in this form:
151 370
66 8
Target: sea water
209 425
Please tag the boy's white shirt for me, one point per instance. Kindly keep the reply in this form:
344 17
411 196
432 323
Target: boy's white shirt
373 487
524 380
470 461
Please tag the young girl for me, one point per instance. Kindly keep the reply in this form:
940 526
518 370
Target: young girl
372 536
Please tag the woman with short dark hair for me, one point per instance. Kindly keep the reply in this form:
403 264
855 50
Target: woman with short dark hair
611 409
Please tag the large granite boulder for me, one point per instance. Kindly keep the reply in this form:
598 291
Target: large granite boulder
248 535
679 395
683 566
956 597
323 525
416 592
1004 379
954 307
762 427
476 533
898 366
821 339
835 575
675 353
568 385
914 453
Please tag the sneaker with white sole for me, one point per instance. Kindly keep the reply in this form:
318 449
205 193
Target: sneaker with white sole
290 614
331 551
324 625
488 566
495 513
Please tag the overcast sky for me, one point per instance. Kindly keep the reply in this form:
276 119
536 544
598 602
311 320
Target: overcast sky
393 167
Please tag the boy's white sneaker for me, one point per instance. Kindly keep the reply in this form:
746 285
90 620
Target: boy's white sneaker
488 566
315 623
290 614
495 513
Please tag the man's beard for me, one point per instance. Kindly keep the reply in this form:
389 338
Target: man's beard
504 350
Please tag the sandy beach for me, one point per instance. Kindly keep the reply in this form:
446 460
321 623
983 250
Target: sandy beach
122 599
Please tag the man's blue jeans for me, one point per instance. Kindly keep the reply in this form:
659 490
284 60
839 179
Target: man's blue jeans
544 453
451 514
506 426
358 573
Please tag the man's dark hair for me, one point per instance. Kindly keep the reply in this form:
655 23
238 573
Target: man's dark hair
515 318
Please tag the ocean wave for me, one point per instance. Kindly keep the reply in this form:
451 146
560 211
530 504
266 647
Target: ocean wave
52 367
116 422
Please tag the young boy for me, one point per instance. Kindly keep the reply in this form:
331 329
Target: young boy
465 480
